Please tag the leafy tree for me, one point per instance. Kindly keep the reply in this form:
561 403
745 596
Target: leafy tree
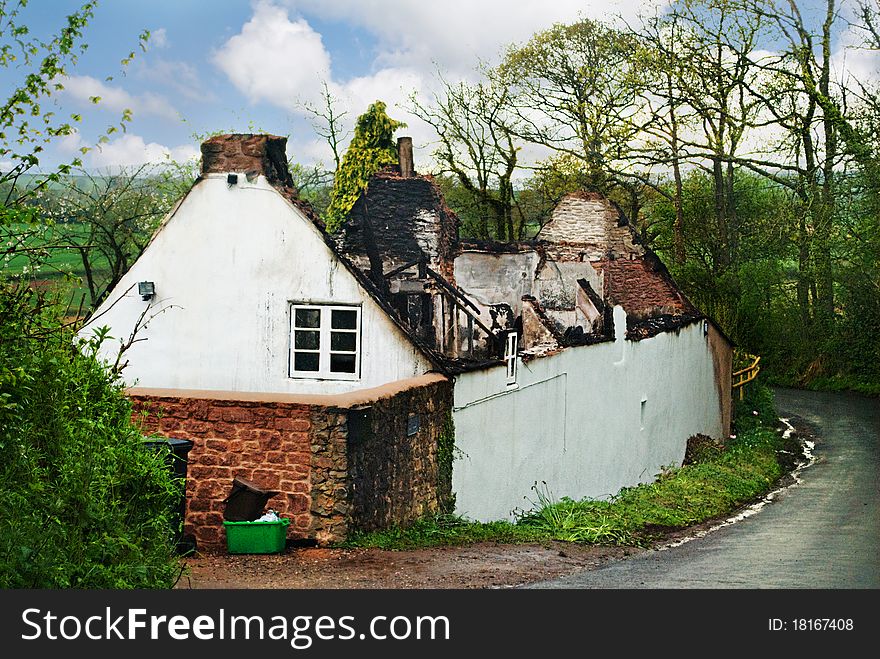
82 504
371 148
576 90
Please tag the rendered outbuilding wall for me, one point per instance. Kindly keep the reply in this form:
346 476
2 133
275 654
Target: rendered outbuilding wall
586 421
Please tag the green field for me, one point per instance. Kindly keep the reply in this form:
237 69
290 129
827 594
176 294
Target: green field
61 266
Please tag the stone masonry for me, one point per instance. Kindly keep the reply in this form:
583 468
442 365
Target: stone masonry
329 481
267 443
586 226
395 457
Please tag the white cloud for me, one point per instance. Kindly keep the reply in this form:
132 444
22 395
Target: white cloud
275 59
181 77
457 33
159 38
84 88
278 58
131 150
853 63
71 143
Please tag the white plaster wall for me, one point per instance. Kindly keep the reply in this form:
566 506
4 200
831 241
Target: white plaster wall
556 284
226 266
574 420
496 278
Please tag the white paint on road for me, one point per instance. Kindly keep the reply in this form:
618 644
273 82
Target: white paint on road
809 459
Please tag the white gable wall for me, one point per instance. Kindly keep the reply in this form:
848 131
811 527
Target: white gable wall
575 420
227 265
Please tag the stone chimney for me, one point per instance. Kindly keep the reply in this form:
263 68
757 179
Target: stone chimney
248 154
405 156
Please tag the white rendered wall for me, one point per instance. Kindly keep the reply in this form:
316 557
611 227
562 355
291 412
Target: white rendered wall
227 265
575 420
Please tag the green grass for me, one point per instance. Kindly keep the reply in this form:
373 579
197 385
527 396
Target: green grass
723 481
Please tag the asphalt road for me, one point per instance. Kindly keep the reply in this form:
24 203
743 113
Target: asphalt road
821 533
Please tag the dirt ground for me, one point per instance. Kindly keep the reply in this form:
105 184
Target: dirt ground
482 565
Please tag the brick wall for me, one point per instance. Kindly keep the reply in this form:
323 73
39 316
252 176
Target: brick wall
330 482
267 443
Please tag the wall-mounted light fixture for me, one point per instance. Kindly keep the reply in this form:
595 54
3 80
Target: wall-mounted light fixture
705 328
232 179
146 289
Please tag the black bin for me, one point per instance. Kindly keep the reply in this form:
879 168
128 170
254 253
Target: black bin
176 459
246 501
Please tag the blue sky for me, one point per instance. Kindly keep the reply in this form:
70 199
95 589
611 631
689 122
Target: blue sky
234 65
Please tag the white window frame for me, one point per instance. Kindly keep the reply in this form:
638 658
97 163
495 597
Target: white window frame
324 329
510 349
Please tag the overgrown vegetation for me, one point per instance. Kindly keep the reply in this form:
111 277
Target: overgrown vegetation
716 484
371 149
732 137
82 503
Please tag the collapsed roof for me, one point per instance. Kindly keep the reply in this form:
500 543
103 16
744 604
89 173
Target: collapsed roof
458 299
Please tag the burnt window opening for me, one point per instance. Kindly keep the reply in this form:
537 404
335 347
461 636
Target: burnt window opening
325 342
510 349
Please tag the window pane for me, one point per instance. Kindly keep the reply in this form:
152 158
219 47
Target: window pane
343 341
306 340
342 363
305 361
344 319
308 318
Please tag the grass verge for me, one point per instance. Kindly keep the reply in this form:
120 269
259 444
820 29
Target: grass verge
718 482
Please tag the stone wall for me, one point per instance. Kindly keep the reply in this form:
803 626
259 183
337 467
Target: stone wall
587 225
339 463
264 442
330 489
395 457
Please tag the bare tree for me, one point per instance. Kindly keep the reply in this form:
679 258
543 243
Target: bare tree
327 122
477 146
108 219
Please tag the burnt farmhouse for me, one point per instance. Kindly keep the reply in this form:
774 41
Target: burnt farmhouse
393 370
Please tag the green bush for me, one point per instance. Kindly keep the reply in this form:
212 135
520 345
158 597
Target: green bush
83 504
756 409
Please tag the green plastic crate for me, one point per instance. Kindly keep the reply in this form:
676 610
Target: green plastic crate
256 537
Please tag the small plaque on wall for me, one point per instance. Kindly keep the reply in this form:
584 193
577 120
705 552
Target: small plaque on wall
413 423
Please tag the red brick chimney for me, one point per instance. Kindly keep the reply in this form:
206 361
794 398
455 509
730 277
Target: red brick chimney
249 154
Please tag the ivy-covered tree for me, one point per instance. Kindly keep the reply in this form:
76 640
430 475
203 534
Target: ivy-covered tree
371 149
